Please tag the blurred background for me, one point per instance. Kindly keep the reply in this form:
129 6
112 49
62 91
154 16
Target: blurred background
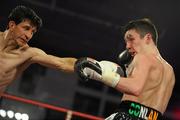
77 28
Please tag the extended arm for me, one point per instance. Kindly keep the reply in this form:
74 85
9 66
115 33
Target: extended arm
64 64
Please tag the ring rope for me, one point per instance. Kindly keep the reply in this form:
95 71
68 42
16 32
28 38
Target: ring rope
8 96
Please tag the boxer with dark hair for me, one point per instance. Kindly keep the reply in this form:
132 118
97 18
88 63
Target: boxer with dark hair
15 53
150 79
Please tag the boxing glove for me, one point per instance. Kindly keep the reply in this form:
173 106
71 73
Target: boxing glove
124 58
81 63
105 71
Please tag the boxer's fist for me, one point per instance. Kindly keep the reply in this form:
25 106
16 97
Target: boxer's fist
104 71
124 58
84 62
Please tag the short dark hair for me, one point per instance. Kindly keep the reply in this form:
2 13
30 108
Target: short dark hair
20 13
142 26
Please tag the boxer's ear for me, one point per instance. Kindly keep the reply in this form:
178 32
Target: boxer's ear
11 24
148 37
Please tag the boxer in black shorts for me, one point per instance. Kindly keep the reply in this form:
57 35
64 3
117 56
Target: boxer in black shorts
150 79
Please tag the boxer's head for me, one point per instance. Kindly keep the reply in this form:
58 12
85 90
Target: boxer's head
22 24
138 32
22 13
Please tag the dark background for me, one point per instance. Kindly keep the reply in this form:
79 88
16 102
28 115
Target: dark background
77 28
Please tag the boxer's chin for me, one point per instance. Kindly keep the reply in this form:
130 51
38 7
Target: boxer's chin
21 43
133 53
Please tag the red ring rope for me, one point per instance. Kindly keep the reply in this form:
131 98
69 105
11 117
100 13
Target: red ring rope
50 106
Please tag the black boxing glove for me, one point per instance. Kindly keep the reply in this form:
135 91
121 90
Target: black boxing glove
105 71
124 58
81 63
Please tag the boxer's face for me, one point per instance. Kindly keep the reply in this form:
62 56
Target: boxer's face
22 32
133 41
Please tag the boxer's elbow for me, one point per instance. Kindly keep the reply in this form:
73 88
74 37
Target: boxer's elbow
136 91
131 89
138 86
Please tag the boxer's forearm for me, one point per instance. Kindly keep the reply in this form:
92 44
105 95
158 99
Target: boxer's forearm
64 64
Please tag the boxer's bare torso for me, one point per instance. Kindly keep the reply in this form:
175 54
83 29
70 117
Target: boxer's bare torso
12 62
159 84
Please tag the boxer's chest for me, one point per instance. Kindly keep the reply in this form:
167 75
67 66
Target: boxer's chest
11 60
9 64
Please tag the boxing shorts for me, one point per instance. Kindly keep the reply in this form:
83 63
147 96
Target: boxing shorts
130 110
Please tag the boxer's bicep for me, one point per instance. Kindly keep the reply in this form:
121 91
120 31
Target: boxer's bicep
141 72
135 82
